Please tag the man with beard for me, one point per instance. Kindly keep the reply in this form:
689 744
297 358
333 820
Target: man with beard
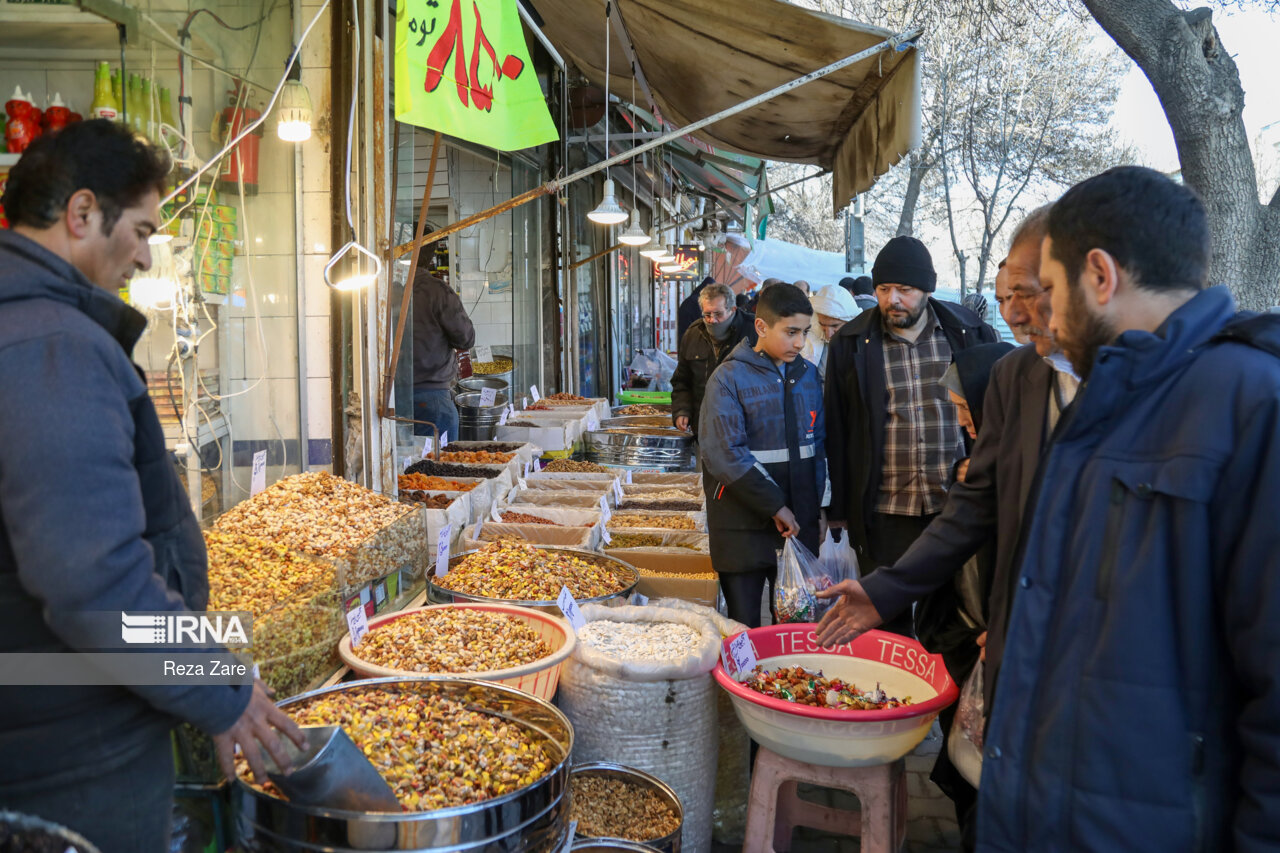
892 431
1025 396
1139 701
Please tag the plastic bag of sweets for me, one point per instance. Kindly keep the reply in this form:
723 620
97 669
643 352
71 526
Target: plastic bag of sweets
800 575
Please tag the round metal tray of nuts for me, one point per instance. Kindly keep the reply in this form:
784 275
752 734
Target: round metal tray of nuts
629 577
531 817
629 813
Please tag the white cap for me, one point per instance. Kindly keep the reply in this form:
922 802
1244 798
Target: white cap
57 100
834 301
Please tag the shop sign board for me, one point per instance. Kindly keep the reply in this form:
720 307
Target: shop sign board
688 259
463 68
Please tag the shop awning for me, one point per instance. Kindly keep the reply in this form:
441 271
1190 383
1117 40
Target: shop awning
702 56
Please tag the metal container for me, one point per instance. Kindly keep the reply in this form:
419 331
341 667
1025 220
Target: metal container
638 442
666 844
611 845
507 375
533 818
440 595
477 422
479 383
67 839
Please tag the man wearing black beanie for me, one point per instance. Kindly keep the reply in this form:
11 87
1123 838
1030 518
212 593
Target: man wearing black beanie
892 435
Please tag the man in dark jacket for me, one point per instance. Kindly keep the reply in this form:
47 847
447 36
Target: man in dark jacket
1139 701
707 343
762 451
690 311
92 516
441 327
893 433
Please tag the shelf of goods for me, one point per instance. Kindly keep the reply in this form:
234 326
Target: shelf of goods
520 807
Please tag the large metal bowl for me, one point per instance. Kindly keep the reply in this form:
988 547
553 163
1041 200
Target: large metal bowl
640 446
667 843
533 818
441 595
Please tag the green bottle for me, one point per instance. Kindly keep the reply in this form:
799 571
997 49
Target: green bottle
115 89
105 104
166 108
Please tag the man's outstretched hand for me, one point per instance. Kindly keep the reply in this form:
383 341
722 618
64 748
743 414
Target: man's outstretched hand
852 614
258 725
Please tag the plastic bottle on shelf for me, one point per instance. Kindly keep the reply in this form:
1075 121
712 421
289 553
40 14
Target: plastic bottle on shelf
105 103
116 91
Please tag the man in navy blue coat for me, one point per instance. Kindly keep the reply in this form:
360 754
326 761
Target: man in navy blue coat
1139 701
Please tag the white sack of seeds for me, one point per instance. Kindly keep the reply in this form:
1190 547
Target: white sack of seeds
638 691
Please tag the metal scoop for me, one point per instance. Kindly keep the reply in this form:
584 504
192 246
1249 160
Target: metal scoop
332 773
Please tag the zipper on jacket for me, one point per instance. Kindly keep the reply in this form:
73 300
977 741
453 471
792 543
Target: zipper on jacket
1198 793
1110 539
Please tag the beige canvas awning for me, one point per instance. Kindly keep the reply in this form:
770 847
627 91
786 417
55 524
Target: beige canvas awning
702 56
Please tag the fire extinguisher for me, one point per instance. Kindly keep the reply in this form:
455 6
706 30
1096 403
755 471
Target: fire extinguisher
242 161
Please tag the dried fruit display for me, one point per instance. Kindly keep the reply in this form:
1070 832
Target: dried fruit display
657 642
427 483
429 501
665 494
666 522
569 466
683 505
609 807
500 364
641 409
693 576
453 640
524 518
451 469
476 457
516 572
364 535
566 397
799 685
435 752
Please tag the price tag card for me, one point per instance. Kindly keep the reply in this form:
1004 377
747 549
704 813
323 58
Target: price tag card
605 536
442 550
521 485
479 528
489 396
528 466
617 489
357 625
569 607
593 422
741 654
502 418
257 673
444 439
426 447
380 593
605 512
484 353
406 465
495 514
537 464
259 481
639 599
628 476
533 392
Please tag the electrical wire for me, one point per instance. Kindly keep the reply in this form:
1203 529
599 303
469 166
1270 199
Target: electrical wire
187 23
351 115
256 123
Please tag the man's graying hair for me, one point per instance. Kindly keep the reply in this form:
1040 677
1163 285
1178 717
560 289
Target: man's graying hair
716 290
1034 227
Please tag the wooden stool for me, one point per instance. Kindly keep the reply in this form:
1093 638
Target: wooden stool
775 807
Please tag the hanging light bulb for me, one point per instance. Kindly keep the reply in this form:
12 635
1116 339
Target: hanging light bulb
293 121
608 211
634 235
358 275
157 287
670 267
656 249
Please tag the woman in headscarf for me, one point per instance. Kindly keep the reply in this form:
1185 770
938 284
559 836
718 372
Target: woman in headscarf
833 306
949 621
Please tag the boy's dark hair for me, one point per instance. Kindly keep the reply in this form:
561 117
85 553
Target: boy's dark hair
1154 227
863 286
98 155
782 300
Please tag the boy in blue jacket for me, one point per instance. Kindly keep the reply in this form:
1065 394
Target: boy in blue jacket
762 448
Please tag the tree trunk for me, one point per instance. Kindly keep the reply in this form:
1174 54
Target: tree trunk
1199 89
915 179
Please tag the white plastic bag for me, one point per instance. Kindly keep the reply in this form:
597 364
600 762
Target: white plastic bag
838 558
964 744
800 575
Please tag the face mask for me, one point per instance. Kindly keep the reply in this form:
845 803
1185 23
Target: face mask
720 330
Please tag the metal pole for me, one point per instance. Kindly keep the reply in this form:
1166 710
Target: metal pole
542 37
892 43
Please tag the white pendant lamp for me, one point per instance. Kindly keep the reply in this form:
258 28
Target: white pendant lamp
608 211
634 235
656 249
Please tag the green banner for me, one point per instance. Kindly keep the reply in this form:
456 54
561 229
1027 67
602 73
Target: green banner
462 68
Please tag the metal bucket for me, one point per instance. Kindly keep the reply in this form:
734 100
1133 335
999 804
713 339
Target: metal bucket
666 844
640 445
440 595
533 818
477 422
506 375
68 840
479 383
